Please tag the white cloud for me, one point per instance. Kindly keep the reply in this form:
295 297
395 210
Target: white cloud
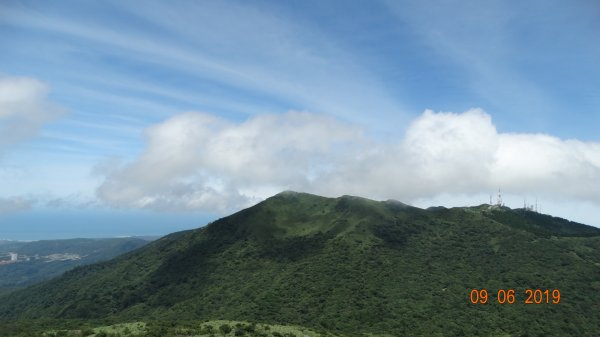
449 150
195 160
549 165
24 109
198 161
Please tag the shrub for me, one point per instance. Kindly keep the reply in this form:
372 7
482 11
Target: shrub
250 327
225 329
87 332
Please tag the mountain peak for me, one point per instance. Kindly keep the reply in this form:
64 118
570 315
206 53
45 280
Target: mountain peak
288 193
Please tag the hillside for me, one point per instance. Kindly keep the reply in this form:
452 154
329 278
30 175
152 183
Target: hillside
36 261
348 265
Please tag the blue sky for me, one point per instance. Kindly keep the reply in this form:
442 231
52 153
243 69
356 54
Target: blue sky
189 110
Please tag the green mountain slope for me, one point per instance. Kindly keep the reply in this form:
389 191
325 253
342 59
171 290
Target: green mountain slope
42 260
348 265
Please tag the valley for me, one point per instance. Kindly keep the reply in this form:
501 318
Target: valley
24 263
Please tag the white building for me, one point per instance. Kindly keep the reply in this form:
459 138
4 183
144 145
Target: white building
14 256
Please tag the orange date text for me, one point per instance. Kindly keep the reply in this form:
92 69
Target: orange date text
508 296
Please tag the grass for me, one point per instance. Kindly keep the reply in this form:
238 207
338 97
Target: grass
122 329
187 329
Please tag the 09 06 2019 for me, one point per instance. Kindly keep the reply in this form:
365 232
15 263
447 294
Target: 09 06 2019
509 296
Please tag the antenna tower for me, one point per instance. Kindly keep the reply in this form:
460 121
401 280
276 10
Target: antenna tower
499 200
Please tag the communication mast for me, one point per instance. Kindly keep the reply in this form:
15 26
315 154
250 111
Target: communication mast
532 207
499 202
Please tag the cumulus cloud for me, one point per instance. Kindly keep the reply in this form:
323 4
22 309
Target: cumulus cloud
24 109
549 165
199 161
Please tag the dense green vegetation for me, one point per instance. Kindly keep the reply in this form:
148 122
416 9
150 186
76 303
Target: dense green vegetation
347 265
24 273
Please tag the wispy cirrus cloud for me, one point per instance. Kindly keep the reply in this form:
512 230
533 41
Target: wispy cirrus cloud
478 39
520 61
277 60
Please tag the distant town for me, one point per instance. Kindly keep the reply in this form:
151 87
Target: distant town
9 258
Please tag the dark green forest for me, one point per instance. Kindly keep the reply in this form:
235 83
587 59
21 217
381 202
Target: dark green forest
347 266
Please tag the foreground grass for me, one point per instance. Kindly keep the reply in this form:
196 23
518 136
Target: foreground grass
215 328
122 329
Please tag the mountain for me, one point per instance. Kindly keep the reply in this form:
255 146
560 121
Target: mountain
41 260
347 265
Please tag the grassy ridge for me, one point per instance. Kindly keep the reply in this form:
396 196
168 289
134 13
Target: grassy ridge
348 266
